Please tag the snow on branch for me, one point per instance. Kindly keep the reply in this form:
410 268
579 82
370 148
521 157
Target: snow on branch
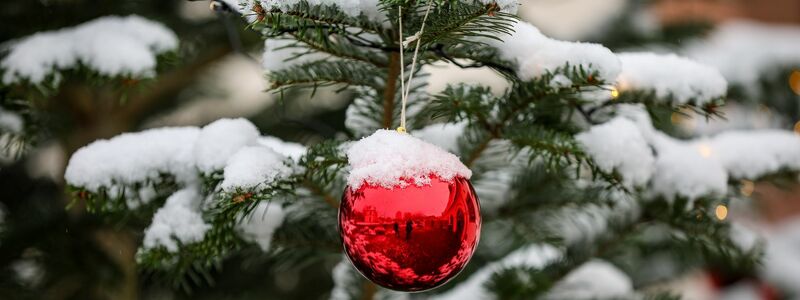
370 9
261 224
619 145
220 140
753 154
536 54
254 168
693 168
290 150
595 279
671 77
179 221
111 46
132 158
230 146
534 256
683 170
10 122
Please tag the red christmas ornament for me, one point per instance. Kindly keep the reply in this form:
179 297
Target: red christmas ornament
411 238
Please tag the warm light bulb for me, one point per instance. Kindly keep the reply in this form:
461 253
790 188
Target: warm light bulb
797 127
676 118
747 188
614 93
721 212
794 81
705 150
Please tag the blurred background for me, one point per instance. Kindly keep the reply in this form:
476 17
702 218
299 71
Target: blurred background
49 252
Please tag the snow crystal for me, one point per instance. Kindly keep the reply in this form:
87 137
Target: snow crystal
262 223
112 46
388 158
744 51
443 135
219 140
179 221
619 145
752 154
536 54
592 280
534 256
253 167
671 75
292 150
10 121
134 158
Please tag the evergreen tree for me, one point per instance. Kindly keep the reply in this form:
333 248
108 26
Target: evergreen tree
583 193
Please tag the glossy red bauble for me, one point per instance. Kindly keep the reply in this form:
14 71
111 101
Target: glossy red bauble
413 238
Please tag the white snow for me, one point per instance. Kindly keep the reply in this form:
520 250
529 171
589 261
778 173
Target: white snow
347 282
534 256
744 51
254 168
595 279
671 75
261 224
752 154
619 145
221 139
344 278
179 221
353 8
388 158
703 166
134 157
683 170
292 150
780 242
10 121
28 271
536 54
111 46
233 146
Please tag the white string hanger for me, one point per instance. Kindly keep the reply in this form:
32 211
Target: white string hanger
417 37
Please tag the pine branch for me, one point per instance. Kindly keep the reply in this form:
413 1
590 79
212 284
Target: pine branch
333 43
326 73
458 22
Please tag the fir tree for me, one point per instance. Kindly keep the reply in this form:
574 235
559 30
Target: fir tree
581 189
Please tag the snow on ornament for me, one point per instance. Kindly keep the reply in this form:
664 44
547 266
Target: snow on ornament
409 218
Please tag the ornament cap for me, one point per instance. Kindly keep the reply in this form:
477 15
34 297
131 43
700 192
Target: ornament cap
401 129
